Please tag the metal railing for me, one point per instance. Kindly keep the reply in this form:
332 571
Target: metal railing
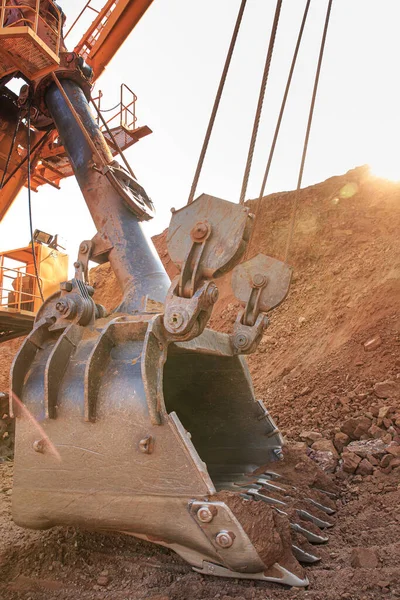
90 38
17 297
37 15
124 113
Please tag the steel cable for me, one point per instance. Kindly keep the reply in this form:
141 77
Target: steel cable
216 102
284 100
260 103
307 136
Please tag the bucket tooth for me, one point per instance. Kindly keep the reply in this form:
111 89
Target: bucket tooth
325 509
305 557
277 574
267 485
306 516
309 535
329 494
254 493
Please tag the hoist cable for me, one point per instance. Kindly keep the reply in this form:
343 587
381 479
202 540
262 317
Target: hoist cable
28 122
278 123
261 96
216 102
307 136
14 138
284 100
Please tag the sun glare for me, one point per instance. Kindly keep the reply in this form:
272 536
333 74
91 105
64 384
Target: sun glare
386 167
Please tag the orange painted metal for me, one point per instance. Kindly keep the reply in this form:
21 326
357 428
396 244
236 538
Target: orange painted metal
98 46
109 31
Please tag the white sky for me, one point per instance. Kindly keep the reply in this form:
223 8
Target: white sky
173 60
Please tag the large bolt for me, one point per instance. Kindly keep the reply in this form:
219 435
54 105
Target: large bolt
259 280
200 231
212 293
77 264
39 446
84 248
224 539
62 306
175 320
204 514
241 340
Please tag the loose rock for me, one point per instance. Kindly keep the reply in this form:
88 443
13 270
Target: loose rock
366 448
365 468
364 558
387 389
341 440
350 462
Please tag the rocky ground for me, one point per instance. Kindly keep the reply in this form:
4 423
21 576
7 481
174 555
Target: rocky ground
328 369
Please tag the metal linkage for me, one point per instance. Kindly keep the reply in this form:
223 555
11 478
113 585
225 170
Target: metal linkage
260 284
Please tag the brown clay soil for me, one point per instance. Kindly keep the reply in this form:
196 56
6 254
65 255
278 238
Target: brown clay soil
313 373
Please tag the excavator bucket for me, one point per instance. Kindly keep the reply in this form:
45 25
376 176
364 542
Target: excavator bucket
145 421
165 443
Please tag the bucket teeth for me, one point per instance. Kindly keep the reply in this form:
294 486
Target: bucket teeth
303 556
325 509
267 485
255 493
309 535
329 494
306 516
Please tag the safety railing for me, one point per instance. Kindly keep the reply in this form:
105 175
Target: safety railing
14 293
123 114
90 38
42 16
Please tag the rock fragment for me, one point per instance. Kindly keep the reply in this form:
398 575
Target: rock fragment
366 448
341 440
365 467
310 436
350 462
364 558
373 343
387 389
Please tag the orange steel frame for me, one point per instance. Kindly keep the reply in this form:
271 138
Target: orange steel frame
107 33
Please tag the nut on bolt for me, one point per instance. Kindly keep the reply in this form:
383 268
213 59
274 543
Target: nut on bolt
175 320
62 306
200 231
204 514
212 293
259 280
84 248
224 539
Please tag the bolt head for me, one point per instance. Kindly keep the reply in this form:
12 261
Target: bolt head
200 231
259 280
224 539
241 340
62 306
212 293
77 264
175 320
204 514
84 248
39 445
